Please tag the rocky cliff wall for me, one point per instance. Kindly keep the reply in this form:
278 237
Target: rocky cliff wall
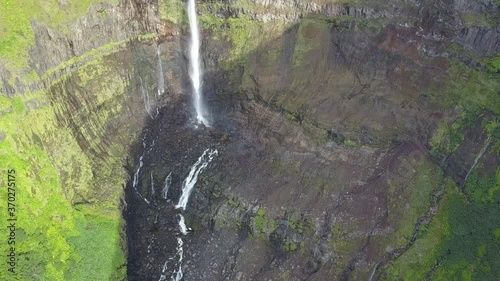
362 144
78 83
358 117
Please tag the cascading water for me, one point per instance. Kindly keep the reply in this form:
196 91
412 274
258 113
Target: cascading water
192 178
166 186
161 81
195 64
145 97
152 187
189 182
182 225
135 182
187 187
178 274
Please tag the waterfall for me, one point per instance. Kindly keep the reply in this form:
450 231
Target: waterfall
177 276
182 225
152 187
192 178
168 182
478 156
135 182
161 82
145 97
187 187
195 64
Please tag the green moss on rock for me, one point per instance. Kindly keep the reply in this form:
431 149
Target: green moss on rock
16 33
172 10
53 140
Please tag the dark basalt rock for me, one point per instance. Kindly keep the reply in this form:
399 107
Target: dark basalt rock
288 155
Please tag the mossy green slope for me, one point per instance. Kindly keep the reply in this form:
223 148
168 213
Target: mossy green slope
69 222
16 33
52 174
461 242
50 168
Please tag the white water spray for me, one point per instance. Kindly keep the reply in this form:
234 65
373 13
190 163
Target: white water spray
182 225
135 182
192 178
152 187
177 276
168 182
161 81
145 97
187 188
195 65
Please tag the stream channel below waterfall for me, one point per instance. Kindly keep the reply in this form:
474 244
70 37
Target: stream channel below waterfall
173 160
166 162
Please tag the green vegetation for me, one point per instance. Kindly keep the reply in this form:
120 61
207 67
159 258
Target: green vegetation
350 144
233 203
172 10
342 245
290 246
91 260
472 217
462 237
471 89
57 240
16 34
85 58
493 64
493 128
52 172
263 225
483 189
417 261
413 187
260 220
40 195
420 187
472 249
298 225
75 234
447 137
461 240
308 39
470 92
244 34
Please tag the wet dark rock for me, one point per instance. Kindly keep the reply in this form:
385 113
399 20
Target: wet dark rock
344 160
483 41
311 267
335 137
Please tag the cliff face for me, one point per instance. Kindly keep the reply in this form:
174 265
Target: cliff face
357 139
76 84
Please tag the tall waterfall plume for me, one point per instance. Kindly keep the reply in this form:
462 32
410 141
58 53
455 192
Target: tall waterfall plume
195 72
159 72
